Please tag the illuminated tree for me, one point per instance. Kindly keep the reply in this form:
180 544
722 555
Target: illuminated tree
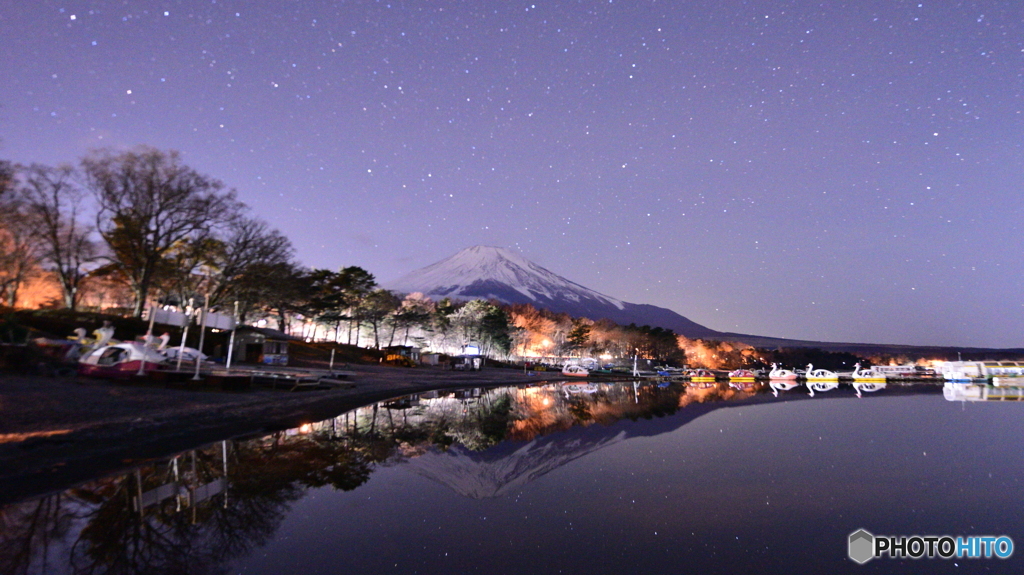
53 205
149 202
19 253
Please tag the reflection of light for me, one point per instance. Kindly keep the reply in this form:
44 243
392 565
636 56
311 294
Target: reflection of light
605 356
306 428
547 401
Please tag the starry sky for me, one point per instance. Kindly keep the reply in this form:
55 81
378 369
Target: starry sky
840 171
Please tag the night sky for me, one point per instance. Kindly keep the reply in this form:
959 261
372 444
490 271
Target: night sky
832 171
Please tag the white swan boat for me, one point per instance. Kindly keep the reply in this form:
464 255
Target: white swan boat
821 375
866 374
778 373
821 380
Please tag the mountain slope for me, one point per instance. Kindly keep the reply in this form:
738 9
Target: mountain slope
484 272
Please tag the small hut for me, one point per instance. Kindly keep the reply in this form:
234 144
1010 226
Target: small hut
257 345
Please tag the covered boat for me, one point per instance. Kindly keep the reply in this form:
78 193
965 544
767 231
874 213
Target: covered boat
701 376
575 371
121 360
741 376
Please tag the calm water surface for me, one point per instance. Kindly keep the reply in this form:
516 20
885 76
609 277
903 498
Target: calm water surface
608 478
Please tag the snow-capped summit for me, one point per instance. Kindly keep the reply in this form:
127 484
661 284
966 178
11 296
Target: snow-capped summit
485 272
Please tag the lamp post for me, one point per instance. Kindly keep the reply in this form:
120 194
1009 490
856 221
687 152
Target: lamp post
146 340
231 340
202 335
184 332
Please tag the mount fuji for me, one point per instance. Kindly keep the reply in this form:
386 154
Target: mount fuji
484 272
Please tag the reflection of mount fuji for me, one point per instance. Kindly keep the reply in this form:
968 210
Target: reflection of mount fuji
506 467
511 464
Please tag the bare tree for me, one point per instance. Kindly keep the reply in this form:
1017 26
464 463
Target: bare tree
249 242
53 204
19 259
149 202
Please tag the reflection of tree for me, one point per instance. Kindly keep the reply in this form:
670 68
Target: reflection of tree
579 408
201 512
29 530
305 461
490 424
169 537
192 527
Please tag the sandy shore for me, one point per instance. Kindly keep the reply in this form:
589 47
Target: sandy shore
55 433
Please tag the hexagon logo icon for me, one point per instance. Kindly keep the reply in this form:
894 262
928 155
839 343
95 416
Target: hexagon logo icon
862 546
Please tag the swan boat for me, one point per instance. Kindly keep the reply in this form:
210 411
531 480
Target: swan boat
866 374
821 380
778 373
821 375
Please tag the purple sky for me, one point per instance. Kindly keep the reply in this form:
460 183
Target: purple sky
833 171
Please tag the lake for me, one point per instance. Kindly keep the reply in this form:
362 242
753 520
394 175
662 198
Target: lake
562 478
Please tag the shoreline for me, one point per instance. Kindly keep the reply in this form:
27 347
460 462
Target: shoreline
56 433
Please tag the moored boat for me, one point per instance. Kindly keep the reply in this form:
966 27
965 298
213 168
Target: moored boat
779 373
121 360
866 374
821 375
741 376
575 371
701 376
